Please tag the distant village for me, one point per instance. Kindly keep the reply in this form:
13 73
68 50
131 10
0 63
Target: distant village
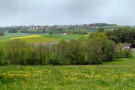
56 29
87 26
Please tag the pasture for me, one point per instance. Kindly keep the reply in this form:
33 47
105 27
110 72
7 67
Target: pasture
119 74
8 36
37 38
66 37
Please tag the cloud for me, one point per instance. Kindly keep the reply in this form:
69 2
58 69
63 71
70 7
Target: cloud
50 12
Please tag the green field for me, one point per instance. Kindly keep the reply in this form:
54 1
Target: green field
119 74
8 36
65 37
43 37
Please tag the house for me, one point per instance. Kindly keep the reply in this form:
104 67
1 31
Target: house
64 34
128 46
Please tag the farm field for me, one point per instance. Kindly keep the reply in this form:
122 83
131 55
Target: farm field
37 38
66 37
119 74
8 36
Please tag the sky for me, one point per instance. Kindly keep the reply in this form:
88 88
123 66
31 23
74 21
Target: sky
66 12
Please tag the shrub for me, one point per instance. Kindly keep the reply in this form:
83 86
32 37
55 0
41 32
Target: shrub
12 30
1 33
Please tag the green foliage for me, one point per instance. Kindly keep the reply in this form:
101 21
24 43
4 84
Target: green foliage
79 32
123 35
16 52
12 30
120 52
74 52
1 33
109 50
94 52
100 30
92 35
54 30
25 30
0 56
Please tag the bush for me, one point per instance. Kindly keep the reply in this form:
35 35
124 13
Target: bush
13 30
127 53
79 32
1 33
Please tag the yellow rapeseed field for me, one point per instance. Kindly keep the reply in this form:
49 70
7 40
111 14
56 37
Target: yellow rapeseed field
86 35
25 37
35 39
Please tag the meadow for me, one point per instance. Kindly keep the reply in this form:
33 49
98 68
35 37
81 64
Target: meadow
119 74
8 36
65 37
37 38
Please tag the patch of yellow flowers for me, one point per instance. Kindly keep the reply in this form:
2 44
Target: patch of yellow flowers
25 37
68 74
86 35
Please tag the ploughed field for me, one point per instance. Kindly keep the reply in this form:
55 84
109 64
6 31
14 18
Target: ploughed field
119 74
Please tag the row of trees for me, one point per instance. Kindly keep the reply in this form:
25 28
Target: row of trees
123 35
26 30
13 29
94 50
79 32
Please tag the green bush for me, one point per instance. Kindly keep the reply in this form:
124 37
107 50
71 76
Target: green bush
1 33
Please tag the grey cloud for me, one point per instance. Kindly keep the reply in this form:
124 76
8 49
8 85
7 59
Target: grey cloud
50 12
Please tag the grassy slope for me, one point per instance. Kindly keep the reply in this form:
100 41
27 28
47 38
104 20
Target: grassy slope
119 74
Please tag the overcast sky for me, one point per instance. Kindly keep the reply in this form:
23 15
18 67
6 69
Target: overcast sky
65 12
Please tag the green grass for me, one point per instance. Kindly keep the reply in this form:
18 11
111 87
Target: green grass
116 75
110 28
8 36
66 37
43 38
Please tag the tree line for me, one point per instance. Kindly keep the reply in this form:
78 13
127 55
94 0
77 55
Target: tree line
95 50
123 35
26 30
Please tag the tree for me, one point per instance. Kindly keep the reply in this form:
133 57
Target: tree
94 52
100 30
1 33
109 51
17 52
13 30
